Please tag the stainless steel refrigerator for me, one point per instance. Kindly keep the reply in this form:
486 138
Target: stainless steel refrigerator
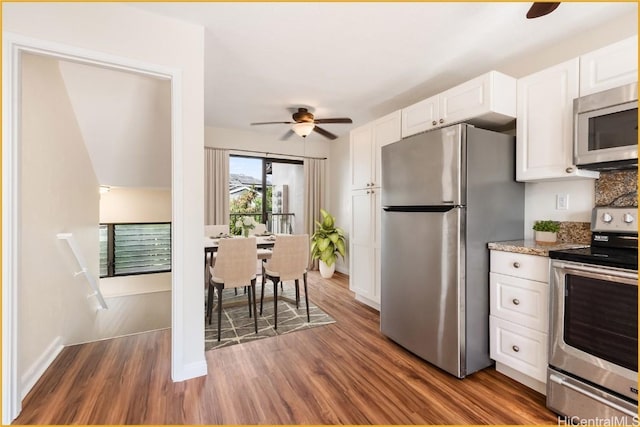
445 194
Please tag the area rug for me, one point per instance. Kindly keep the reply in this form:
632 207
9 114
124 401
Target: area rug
238 327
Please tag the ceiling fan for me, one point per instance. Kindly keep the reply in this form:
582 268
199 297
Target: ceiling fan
539 9
304 123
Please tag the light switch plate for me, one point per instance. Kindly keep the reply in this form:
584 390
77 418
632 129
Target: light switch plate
562 202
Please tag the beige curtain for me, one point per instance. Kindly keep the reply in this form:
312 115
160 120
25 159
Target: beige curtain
216 186
314 173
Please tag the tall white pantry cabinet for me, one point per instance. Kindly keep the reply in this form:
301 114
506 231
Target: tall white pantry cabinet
366 143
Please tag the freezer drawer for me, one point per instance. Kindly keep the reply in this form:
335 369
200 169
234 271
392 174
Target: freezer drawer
422 294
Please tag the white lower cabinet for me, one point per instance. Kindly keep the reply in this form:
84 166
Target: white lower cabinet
523 349
519 295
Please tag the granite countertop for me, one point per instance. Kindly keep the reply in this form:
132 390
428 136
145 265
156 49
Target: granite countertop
530 247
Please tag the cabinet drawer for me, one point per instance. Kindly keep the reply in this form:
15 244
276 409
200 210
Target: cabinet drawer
531 267
522 301
518 347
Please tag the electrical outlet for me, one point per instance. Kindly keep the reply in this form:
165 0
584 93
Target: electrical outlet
562 202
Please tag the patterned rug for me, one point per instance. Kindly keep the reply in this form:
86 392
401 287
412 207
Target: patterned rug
238 327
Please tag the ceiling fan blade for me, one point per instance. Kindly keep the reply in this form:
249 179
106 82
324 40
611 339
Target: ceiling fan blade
336 120
325 133
287 135
539 9
272 123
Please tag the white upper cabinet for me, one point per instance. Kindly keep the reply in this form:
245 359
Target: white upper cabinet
420 117
486 101
544 143
609 67
366 142
361 156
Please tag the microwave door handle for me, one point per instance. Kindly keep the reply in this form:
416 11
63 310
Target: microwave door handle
582 268
558 380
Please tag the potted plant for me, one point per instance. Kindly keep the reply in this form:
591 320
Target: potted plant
246 224
327 243
546 231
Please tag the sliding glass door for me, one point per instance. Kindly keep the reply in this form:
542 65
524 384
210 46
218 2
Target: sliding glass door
270 190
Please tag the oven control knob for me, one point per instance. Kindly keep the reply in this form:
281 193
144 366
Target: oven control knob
628 218
606 217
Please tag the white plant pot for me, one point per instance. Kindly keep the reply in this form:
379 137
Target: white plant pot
326 271
546 237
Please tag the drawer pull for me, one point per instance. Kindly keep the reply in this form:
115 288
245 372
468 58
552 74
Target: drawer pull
515 301
515 348
516 265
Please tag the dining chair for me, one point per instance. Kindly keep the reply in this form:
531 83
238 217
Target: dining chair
289 260
235 267
213 231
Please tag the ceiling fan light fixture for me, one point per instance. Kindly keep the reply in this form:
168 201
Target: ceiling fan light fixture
303 128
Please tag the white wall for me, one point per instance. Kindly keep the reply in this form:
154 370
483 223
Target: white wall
127 33
340 197
540 202
59 193
125 120
123 204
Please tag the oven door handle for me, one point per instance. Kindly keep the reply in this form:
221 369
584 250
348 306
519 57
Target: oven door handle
583 268
558 380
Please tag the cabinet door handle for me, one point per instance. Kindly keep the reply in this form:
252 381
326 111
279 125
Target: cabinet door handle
515 348
433 123
368 191
515 301
569 170
516 265
372 191
441 120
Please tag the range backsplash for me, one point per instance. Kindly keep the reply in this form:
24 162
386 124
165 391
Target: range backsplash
617 188
614 188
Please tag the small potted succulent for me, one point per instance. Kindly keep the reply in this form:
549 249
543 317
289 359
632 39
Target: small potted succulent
546 231
327 243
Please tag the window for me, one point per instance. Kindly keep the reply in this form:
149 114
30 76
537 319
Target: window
134 249
270 190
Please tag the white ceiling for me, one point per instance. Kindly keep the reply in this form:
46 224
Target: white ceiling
361 60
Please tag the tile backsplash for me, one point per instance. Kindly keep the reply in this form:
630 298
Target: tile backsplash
614 188
617 188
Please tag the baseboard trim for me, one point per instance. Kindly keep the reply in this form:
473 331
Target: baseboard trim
367 301
191 370
33 374
525 379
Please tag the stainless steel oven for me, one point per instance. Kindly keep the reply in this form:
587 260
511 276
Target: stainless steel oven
606 128
593 348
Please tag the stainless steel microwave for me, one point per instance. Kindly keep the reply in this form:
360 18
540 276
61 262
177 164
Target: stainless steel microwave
606 128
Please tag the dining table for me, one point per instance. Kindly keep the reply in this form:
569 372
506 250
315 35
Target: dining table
265 241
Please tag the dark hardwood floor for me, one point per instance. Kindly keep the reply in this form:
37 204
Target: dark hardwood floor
344 373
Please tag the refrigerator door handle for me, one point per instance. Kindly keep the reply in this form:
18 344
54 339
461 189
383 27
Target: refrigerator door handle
445 208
